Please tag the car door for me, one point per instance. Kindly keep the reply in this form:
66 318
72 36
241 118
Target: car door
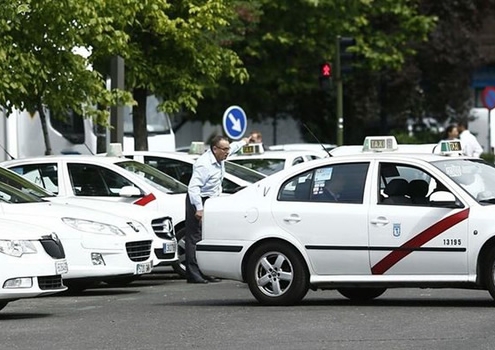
333 233
411 236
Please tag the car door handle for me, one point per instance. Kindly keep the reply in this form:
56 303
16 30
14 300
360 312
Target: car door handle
380 221
292 218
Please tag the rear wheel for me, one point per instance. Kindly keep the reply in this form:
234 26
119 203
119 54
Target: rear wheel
179 266
277 275
489 272
361 294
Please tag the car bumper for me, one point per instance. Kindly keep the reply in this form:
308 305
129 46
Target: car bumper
221 258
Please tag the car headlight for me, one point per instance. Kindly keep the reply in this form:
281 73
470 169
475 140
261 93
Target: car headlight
17 248
93 227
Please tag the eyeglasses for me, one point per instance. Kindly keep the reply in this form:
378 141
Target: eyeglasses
225 149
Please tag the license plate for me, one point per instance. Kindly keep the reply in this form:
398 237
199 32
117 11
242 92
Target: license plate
61 267
169 247
143 268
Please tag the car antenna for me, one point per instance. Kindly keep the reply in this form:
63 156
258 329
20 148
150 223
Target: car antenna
328 152
10 155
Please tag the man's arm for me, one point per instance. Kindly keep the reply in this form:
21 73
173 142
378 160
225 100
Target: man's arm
198 180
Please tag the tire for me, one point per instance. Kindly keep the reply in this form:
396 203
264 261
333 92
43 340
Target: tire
76 286
361 294
3 304
489 272
179 266
277 275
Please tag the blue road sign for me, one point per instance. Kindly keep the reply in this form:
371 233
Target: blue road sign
234 122
488 97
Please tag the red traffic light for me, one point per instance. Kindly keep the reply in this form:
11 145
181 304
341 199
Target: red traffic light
326 70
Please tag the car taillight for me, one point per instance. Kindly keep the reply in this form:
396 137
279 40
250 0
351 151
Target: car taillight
145 200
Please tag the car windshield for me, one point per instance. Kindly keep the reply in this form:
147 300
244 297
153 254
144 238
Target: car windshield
17 181
243 173
264 166
154 177
475 176
12 195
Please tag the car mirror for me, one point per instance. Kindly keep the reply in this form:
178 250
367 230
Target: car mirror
129 191
444 199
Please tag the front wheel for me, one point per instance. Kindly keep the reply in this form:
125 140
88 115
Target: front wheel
179 266
361 294
277 275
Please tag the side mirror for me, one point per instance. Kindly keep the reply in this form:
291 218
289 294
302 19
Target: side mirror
444 199
130 191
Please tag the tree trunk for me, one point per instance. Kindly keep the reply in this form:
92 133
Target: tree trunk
139 120
46 137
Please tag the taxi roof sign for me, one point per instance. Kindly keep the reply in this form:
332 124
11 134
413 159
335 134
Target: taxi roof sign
252 148
450 147
197 147
380 144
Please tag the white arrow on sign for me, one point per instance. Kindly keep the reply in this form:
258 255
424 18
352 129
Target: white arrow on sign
236 123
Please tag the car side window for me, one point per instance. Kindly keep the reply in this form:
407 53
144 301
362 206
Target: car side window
43 175
343 183
93 180
298 160
179 170
403 184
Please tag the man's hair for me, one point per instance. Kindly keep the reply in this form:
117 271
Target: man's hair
462 123
216 140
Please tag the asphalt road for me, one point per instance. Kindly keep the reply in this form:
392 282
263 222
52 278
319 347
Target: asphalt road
163 312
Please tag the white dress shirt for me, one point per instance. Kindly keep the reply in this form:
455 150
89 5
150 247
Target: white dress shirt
470 145
207 176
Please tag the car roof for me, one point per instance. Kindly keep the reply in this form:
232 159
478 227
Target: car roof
71 157
302 147
275 155
401 148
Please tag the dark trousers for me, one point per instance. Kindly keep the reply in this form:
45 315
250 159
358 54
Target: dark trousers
192 237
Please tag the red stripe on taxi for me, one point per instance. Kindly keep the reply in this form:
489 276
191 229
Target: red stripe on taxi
145 200
424 237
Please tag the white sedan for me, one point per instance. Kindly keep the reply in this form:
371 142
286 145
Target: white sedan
359 224
270 162
111 179
164 243
32 259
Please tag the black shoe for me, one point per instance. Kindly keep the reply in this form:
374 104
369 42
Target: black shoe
197 281
211 279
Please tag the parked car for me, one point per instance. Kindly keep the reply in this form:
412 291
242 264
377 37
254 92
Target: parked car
32 259
391 220
164 242
98 246
111 179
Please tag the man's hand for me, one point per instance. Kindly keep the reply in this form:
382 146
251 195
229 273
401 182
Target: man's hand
246 140
199 215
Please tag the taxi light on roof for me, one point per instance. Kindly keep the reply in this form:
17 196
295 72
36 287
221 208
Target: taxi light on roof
115 150
197 147
380 144
252 148
450 147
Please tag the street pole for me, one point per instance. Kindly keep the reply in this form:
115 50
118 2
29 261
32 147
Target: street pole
338 82
117 112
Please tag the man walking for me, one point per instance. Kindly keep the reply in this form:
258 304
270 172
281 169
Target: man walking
206 182
470 145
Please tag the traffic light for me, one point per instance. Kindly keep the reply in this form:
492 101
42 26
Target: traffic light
326 70
346 58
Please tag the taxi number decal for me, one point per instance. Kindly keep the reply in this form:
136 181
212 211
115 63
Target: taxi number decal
417 241
452 241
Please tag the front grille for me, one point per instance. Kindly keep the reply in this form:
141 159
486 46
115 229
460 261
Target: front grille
53 246
163 228
161 255
138 251
50 282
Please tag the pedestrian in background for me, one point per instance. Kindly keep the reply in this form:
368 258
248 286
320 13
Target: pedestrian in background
256 137
206 182
451 133
470 145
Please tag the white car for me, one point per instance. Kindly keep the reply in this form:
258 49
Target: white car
32 259
392 220
164 242
321 148
98 246
401 148
179 165
110 179
270 162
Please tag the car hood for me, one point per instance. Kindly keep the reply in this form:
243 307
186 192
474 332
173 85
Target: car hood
12 229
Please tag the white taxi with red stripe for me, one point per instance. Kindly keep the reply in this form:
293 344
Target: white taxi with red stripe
117 180
359 224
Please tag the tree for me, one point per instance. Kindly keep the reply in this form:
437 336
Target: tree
39 66
292 38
